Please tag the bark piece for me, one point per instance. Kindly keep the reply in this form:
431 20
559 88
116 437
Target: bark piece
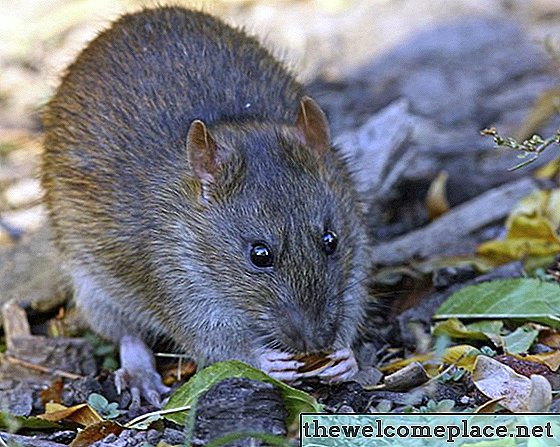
447 234
239 405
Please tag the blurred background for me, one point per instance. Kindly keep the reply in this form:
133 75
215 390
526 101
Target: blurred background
323 40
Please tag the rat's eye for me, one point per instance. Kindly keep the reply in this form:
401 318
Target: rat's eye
261 255
330 242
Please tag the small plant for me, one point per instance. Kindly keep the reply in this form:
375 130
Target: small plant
453 375
103 407
529 149
443 406
488 351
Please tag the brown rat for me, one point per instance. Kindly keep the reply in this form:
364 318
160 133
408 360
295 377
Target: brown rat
195 197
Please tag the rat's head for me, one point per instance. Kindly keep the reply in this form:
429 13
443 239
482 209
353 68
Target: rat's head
283 239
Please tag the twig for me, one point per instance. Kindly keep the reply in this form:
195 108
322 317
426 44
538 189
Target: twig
145 416
534 145
41 368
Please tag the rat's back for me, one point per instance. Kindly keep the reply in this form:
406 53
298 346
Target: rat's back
115 131
133 92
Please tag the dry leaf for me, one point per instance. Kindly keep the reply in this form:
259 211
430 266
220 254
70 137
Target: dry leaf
460 355
313 364
463 356
518 393
545 107
436 198
531 229
173 373
96 432
489 407
53 393
81 414
550 338
550 359
406 378
399 364
548 171
540 397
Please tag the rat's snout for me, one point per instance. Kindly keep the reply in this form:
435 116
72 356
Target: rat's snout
306 333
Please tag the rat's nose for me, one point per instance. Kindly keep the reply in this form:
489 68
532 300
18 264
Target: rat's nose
305 334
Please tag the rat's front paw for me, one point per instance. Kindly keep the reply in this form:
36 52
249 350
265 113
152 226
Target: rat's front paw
138 373
141 384
344 368
280 365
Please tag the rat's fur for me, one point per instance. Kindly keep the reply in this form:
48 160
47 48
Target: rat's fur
147 256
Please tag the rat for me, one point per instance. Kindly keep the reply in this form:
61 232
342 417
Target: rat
195 197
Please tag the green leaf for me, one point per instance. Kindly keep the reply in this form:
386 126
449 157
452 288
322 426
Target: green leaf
520 340
521 299
455 329
14 423
296 401
97 402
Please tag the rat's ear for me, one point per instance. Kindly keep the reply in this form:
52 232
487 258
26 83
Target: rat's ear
313 125
202 153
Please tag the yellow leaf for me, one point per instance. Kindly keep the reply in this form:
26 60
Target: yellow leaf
461 355
399 364
549 170
541 203
531 230
436 199
456 329
545 107
550 359
81 414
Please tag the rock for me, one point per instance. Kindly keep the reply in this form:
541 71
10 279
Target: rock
30 273
23 192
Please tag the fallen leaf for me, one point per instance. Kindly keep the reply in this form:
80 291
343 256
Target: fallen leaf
406 378
395 365
549 170
174 373
436 198
550 338
463 356
53 393
518 393
460 355
96 432
489 407
14 423
81 414
521 299
531 230
521 339
485 330
550 359
540 397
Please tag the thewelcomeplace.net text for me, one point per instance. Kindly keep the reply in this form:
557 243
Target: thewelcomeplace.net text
449 432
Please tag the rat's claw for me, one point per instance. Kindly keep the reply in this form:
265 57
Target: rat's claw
146 384
344 369
280 365
138 373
